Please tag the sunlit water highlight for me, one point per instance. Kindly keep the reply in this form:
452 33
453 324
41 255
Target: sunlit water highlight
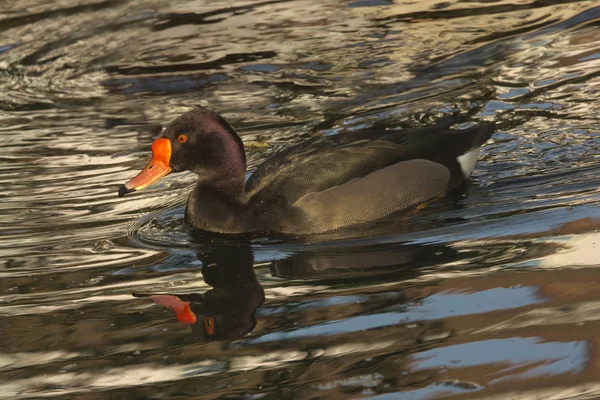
490 292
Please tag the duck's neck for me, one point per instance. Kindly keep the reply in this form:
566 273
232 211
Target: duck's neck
218 201
230 186
218 205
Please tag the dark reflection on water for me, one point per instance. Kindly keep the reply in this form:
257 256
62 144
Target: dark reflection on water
490 292
226 311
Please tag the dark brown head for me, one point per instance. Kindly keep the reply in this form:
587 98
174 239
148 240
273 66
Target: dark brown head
200 141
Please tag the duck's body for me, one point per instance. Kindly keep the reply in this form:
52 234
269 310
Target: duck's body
317 186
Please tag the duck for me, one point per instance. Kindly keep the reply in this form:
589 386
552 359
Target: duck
319 185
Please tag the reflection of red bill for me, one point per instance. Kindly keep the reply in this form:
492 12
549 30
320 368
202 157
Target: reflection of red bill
182 309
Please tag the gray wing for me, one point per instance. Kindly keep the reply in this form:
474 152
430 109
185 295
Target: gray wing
304 174
375 195
334 160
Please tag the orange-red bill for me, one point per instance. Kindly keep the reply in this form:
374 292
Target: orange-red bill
182 309
157 168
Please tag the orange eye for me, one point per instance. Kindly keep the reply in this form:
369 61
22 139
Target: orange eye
209 324
182 138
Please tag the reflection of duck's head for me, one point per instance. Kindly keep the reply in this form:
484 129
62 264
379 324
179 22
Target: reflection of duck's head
227 310
227 313
320 185
218 314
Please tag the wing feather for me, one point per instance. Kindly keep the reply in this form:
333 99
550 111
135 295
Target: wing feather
374 196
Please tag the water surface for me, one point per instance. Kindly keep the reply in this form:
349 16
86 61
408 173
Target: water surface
488 293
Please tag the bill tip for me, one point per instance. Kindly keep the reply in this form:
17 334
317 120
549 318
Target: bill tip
123 190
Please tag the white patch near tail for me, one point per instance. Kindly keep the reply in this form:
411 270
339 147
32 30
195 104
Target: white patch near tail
467 161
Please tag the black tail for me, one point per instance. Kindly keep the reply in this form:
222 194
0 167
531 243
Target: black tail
483 132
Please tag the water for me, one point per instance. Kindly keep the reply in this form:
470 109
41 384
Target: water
490 293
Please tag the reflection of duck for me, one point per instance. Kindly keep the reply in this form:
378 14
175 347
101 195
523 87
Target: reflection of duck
320 185
227 310
401 260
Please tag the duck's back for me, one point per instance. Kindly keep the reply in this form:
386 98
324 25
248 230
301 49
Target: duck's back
332 161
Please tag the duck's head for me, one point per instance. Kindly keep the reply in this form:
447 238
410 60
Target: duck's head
200 141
